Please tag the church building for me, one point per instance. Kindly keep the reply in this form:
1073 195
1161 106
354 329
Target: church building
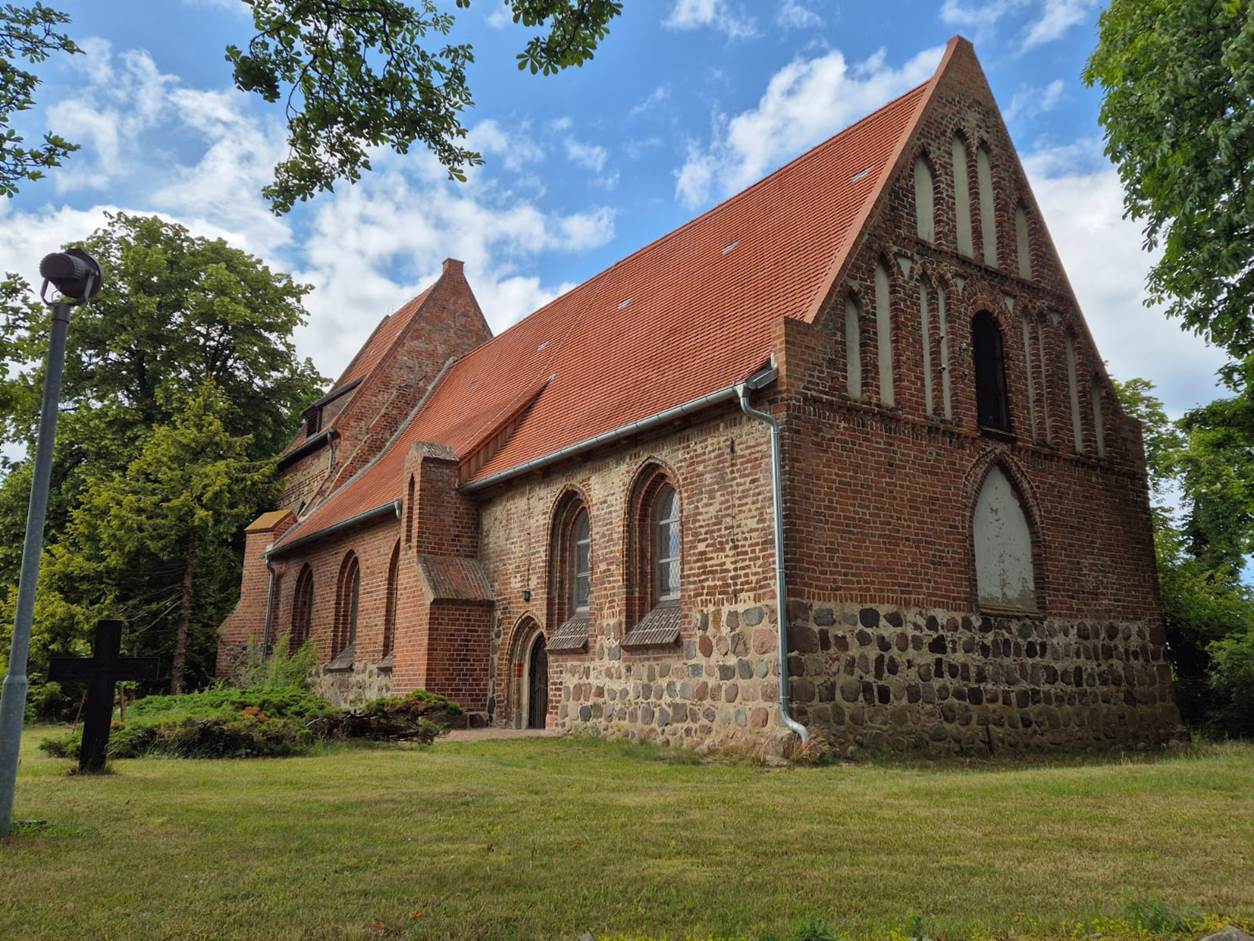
838 457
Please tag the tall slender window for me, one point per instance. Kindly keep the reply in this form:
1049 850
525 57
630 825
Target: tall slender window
409 511
884 334
988 206
302 609
992 408
348 598
853 347
1073 388
580 564
1029 369
962 198
924 201
1099 425
942 321
1022 244
667 551
925 335
389 612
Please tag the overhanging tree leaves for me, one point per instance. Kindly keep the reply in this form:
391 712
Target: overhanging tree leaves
360 74
1178 77
27 34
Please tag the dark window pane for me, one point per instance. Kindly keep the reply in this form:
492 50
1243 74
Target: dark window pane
992 408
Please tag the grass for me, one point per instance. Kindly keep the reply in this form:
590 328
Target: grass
549 838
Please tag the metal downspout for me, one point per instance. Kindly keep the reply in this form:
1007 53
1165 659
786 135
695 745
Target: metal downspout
781 585
267 642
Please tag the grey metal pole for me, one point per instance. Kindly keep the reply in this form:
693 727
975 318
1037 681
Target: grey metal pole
13 705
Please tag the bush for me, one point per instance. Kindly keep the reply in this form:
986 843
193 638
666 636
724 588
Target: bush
262 722
282 667
1232 679
415 717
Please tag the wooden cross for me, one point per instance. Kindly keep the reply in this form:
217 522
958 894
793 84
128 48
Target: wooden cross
101 670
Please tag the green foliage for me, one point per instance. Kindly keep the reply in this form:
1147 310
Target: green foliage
361 76
226 701
1153 916
1205 460
30 34
280 667
418 716
1178 78
1232 679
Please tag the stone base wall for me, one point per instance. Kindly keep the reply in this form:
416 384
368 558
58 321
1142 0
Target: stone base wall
717 687
913 680
873 679
354 686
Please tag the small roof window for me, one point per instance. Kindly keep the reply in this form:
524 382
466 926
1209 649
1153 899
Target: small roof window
730 247
624 303
861 174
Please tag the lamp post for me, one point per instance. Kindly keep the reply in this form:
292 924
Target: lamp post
77 277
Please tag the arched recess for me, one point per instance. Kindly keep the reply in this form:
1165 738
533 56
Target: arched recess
988 205
1023 242
1005 542
962 196
884 334
992 396
524 681
389 610
347 604
924 199
302 608
853 347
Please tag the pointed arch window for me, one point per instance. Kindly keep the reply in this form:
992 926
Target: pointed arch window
1005 573
988 206
570 583
853 347
389 611
991 403
656 563
409 511
347 602
1073 392
962 197
924 200
1099 421
302 609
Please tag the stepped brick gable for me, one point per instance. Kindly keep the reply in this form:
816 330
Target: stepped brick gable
571 524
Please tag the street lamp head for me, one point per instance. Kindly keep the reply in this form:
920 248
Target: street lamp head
72 272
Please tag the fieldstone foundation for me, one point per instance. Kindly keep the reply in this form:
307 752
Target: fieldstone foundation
883 679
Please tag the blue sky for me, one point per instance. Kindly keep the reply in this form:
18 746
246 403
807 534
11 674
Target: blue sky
686 102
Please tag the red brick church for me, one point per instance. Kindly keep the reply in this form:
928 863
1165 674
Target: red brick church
862 385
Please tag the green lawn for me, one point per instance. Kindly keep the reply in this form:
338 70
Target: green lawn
547 838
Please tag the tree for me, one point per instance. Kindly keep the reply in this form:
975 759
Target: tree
29 34
157 544
1208 612
1178 77
359 75
179 311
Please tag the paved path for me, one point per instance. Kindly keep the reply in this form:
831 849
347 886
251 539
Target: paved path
487 735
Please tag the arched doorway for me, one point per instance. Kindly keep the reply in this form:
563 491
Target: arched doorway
537 683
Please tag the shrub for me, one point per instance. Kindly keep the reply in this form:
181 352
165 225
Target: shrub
415 717
286 702
1232 679
281 667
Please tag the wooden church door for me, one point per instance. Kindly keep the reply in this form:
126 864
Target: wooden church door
538 684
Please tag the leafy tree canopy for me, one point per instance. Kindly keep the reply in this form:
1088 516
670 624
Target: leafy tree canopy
27 34
1178 77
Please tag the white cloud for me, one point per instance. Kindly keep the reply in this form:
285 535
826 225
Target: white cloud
501 16
1047 20
792 15
1082 200
517 148
713 14
589 156
655 98
1031 102
1057 16
805 102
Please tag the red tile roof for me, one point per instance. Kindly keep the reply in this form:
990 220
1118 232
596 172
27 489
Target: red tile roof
685 316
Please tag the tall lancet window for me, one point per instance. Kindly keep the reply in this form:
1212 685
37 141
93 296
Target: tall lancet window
942 323
925 336
1073 390
853 347
992 407
1099 422
962 198
884 335
924 201
988 206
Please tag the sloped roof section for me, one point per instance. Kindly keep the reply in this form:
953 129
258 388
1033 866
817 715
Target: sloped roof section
685 316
